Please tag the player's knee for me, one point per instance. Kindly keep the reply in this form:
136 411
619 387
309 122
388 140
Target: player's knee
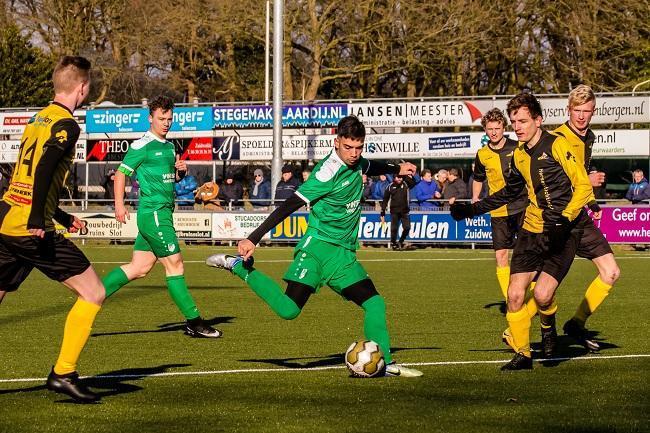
95 296
289 311
611 274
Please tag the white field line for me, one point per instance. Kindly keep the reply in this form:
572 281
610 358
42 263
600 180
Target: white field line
392 259
333 367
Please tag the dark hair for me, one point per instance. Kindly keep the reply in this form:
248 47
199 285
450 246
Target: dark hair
351 127
527 100
165 103
425 172
453 172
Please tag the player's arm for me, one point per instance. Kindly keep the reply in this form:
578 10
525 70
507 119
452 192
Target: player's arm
246 247
479 176
515 184
375 168
582 191
64 135
134 157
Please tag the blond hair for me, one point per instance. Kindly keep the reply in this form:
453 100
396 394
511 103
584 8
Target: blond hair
581 95
494 115
69 72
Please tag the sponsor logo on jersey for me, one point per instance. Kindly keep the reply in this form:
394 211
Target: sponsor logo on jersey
543 156
62 136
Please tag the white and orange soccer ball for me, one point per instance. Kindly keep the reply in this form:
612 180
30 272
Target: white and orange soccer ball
365 359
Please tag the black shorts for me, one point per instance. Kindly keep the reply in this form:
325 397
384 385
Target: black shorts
505 229
533 252
57 257
592 243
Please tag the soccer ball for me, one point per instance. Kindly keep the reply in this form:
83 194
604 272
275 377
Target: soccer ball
365 359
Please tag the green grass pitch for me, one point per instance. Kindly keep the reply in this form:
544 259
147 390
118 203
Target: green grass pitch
270 375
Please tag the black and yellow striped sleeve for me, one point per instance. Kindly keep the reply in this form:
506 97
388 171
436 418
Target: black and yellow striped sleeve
582 191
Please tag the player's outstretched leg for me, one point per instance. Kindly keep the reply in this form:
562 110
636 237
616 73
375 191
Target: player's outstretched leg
263 286
364 294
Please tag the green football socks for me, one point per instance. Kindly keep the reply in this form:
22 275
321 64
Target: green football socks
269 291
114 281
181 295
374 324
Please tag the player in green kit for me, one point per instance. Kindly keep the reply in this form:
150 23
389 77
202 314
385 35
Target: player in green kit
326 255
158 167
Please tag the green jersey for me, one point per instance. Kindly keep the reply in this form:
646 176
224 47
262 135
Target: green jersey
334 191
154 161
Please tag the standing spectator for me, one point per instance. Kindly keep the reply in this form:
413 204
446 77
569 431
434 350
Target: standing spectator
380 186
260 191
287 185
231 192
109 191
366 198
639 183
134 193
185 189
398 194
425 191
456 188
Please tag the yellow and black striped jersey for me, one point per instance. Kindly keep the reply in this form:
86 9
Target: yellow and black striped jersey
46 151
557 183
582 148
493 165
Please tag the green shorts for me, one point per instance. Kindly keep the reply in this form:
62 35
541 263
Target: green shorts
317 263
156 233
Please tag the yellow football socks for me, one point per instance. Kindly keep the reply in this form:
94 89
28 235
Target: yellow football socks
547 316
595 295
75 334
503 275
519 323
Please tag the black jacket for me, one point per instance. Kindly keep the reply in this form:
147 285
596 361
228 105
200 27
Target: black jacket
398 196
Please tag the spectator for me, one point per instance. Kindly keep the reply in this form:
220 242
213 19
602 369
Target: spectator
185 190
366 198
441 179
109 191
287 185
134 193
260 191
456 188
398 195
425 191
231 192
206 196
380 186
637 187
305 174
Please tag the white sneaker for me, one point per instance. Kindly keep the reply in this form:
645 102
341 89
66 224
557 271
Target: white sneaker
223 261
394 369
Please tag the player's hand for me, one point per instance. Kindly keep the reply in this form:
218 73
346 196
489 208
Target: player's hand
77 225
245 248
121 214
406 168
180 164
461 211
597 178
39 233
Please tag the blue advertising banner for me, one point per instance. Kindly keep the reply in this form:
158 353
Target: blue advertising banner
293 116
192 119
117 120
425 227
